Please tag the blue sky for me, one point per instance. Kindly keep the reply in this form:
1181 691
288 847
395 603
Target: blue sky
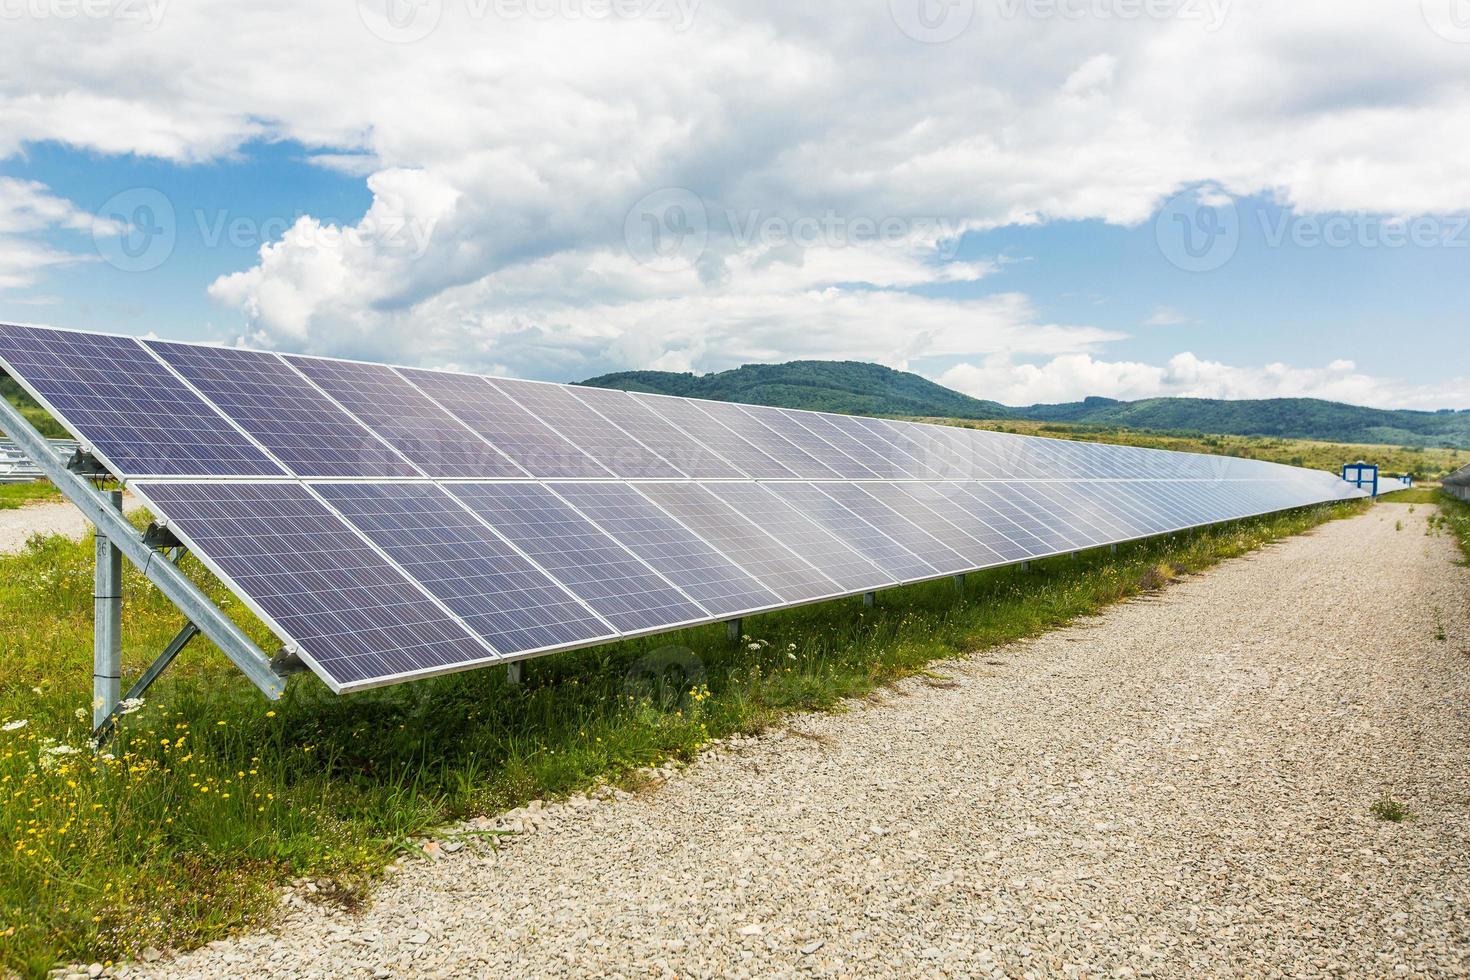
991 195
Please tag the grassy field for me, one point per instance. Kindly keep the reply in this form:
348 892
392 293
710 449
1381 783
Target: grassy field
1424 464
1454 518
14 495
211 796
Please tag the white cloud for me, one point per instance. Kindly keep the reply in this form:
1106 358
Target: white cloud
1166 316
507 152
27 209
1072 377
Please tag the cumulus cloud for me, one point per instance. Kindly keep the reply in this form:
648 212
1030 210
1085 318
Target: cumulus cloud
1072 377
508 147
26 209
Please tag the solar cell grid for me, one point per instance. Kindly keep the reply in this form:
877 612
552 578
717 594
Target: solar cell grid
833 458
891 557
880 458
1025 517
976 553
284 412
654 431
533 445
407 419
921 542
598 570
946 501
754 431
683 558
926 462
1017 535
699 424
498 593
831 556
580 424
127 406
356 617
772 564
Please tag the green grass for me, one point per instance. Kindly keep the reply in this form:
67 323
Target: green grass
16 495
1453 519
1390 810
1414 495
211 796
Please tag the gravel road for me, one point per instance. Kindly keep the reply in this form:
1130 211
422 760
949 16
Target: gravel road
17 526
1181 787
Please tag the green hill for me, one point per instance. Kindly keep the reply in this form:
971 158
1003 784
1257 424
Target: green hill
853 387
869 389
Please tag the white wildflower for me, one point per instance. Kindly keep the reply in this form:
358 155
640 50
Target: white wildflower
753 646
790 656
791 647
81 714
130 706
61 750
745 637
14 726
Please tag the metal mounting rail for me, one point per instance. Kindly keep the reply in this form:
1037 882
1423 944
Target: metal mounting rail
169 580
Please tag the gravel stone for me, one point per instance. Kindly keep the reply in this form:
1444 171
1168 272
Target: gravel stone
1179 787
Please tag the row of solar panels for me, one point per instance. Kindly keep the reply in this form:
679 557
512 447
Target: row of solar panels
392 523
381 582
1458 483
151 408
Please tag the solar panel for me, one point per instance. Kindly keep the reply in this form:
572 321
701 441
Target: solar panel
599 571
499 594
135 414
972 551
843 565
926 545
407 419
654 431
677 553
584 427
772 564
531 443
400 522
833 459
284 412
896 561
691 418
356 618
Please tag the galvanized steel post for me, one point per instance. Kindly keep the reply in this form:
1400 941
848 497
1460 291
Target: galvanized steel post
107 623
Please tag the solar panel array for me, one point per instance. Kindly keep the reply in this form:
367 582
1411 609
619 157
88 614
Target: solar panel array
391 523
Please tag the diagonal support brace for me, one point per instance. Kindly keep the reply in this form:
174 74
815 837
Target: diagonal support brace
181 591
104 729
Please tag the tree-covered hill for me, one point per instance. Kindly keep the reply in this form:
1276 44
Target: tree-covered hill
870 389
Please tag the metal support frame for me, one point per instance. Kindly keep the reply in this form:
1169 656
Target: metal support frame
959 583
1025 566
1113 549
513 673
124 540
107 623
868 599
734 629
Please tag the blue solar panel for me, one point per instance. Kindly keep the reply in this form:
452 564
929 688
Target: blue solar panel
500 595
598 570
133 412
840 563
1017 524
974 552
655 432
787 425
927 546
511 429
948 501
773 564
846 435
776 446
678 554
406 418
585 428
357 619
690 417
288 415
894 559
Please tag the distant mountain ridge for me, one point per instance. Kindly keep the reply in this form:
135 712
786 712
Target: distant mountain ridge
860 388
